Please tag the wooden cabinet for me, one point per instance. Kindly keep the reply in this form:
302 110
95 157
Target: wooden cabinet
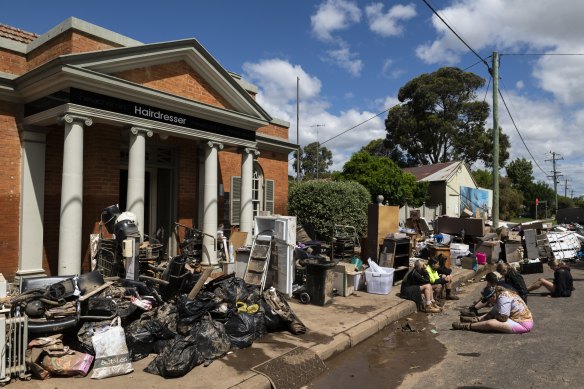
382 220
398 252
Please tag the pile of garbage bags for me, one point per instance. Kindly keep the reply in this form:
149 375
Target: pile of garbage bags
109 325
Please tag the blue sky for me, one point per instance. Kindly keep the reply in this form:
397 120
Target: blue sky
353 56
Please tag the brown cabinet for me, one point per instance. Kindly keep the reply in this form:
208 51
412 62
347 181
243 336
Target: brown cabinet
399 251
382 220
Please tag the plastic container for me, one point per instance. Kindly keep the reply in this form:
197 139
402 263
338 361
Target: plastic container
319 281
481 258
379 282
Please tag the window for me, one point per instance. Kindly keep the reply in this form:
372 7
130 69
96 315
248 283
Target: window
262 195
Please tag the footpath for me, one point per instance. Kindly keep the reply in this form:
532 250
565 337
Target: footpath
331 329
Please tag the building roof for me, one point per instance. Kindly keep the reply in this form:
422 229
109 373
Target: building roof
435 172
16 34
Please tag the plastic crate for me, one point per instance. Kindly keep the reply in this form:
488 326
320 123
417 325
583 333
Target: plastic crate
379 283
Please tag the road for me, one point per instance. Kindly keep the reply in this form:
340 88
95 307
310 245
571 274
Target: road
434 356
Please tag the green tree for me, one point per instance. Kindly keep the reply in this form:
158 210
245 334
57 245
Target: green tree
381 176
510 200
380 148
314 164
520 172
325 203
483 178
441 120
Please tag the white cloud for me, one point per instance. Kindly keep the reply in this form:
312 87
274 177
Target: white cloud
519 85
345 59
334 15
387 24
276 80
389 71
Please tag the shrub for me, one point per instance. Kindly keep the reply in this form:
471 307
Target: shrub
323 204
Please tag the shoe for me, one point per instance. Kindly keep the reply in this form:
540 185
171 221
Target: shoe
431 309
461 326
471 311
452 297
437 306
468 319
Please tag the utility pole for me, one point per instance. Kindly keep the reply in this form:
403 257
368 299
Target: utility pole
298 129
317 147
555 175
495 75
566 188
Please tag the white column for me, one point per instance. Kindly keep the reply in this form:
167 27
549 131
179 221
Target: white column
210 204
201 188
30 261
72 196
136 175
246 215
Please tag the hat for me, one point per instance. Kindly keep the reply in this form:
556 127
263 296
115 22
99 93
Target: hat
487 293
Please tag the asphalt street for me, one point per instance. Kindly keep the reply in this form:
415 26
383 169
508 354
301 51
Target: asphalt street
434 356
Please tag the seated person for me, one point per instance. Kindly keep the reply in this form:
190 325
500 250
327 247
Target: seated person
563 284
438 280
473 310
417 283
509 315
514 279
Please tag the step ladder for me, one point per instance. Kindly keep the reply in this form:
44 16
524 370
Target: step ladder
259 260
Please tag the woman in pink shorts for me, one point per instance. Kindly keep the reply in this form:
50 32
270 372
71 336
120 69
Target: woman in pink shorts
509 314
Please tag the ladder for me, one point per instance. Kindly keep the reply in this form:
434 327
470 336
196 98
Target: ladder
259 260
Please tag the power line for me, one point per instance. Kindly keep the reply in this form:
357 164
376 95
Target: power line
458 36
543 54
519 133
352 128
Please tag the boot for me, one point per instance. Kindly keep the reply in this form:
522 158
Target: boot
468 319
431 309
450 295
435 305
471 311
461 326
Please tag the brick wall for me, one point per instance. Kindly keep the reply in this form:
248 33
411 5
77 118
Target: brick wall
177 78
11 62
10 156
274 130
66 43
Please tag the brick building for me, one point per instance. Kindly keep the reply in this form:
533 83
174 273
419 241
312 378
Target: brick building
90 118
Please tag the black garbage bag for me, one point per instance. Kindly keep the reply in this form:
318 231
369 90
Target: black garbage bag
212 340
235 289
279 314
191 311
157 324
243 328
178 358
207 340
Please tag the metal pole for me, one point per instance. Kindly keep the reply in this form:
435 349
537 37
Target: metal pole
297 129
495 139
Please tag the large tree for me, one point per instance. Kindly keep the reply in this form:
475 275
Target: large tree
381 176
520 172
380 148
315 161
441 120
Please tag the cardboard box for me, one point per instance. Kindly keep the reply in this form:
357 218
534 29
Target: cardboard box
346 279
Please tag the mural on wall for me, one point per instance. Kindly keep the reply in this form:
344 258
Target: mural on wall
474 200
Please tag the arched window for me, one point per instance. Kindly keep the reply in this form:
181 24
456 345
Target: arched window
262 195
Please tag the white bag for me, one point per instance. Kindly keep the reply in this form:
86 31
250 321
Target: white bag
375 268
111 352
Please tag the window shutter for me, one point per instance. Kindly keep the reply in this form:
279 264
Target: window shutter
235 200
269 196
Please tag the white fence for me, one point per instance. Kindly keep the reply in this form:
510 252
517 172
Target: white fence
428 212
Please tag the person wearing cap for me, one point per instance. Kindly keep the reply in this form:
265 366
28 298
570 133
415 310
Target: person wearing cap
439 281
416 284
509 314
563 284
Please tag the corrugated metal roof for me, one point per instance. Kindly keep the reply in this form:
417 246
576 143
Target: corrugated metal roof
16 34
435 172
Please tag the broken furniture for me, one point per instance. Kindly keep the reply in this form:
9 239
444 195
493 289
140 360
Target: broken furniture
397 250
381 221
345 241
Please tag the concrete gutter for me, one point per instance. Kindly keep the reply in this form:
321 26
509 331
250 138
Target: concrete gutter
360 331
